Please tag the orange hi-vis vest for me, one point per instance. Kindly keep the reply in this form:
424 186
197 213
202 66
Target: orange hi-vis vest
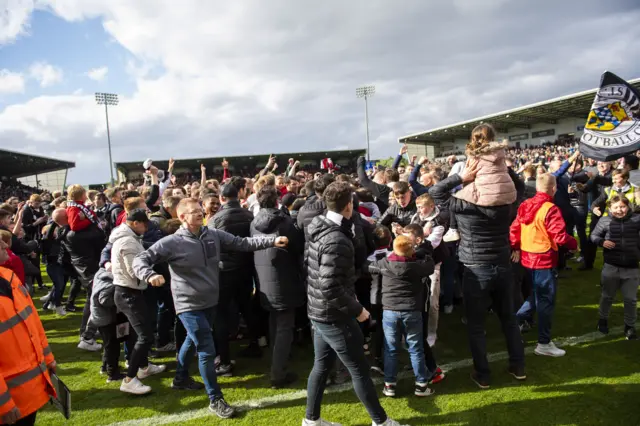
534 237
24 352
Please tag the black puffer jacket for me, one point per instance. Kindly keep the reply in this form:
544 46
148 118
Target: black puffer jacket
111 216
31 231
331 273
625 234
278 269
484 231
398 214
235 220
314 206
404 282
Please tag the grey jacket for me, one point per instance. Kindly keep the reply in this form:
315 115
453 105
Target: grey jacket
193 263
103 308
126 245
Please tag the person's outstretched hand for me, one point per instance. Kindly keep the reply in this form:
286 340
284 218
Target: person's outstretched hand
470 170
281 242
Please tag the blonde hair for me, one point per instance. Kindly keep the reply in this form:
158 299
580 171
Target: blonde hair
76 192
403 246
185 203
545 182
35 198
6 237
133 203
425 200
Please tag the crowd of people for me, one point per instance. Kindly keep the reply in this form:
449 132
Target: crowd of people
361 264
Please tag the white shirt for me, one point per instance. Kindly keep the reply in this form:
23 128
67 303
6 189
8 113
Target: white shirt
337 219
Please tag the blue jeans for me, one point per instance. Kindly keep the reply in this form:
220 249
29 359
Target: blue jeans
199 339
543 300
395 325
346 341
58 278
484 286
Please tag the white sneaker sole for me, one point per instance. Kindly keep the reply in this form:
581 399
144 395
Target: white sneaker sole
143 375
136 391
552 355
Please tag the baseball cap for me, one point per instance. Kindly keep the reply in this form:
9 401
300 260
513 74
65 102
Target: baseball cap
137 215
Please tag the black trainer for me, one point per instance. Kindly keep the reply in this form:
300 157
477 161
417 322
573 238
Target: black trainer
188 384
115 377
518 373
630 333
482 384
287 380
603 326
221 408
70 308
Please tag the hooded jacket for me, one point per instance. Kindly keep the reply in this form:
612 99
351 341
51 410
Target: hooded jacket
194 264
398 214
278 269
405 281
555 228
103 307
625 234
493 185
330 273
438 226
126 245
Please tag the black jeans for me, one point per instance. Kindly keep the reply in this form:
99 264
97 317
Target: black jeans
166 315
132 303
580 222
87 330
281 325
346 341
236 285
484 286
111 345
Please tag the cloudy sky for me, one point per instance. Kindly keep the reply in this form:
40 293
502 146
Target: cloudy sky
213 78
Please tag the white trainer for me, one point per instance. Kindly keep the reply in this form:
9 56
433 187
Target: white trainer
151 369
89 345
135 387
389 422
451 235
46 298
549 349
448 309
61 311
319 422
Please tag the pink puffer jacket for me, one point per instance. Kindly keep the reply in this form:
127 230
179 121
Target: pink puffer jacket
493 185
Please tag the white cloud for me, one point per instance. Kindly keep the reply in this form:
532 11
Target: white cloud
14 19
229 78
98 74
11 82
46 74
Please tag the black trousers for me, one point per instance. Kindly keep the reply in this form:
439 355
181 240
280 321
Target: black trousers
29 420
132 303
235 286
590 248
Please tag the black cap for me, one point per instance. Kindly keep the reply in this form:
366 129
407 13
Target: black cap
229 191
288 199
137 215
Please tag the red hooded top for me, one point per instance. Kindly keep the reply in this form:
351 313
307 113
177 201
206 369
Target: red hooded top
556 230
15 264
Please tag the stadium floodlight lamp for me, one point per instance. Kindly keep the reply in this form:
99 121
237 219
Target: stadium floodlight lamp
107 99
366 92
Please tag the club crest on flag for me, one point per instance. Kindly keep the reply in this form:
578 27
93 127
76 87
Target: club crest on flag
613 125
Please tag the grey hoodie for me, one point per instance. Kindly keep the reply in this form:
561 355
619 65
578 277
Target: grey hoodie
193 263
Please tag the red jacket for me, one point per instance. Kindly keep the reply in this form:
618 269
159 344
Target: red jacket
556 230
76 222
15 265
122 217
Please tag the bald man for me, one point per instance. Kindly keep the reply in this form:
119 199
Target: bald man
59 217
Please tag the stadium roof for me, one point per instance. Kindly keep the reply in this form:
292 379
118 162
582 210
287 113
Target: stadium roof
17 164
282 158
576 105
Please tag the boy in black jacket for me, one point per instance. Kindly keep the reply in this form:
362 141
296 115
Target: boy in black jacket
382 239
404 282
619 233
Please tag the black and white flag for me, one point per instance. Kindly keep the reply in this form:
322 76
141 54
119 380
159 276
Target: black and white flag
613 125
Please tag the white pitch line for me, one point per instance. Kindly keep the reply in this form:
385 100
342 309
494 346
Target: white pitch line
302 394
